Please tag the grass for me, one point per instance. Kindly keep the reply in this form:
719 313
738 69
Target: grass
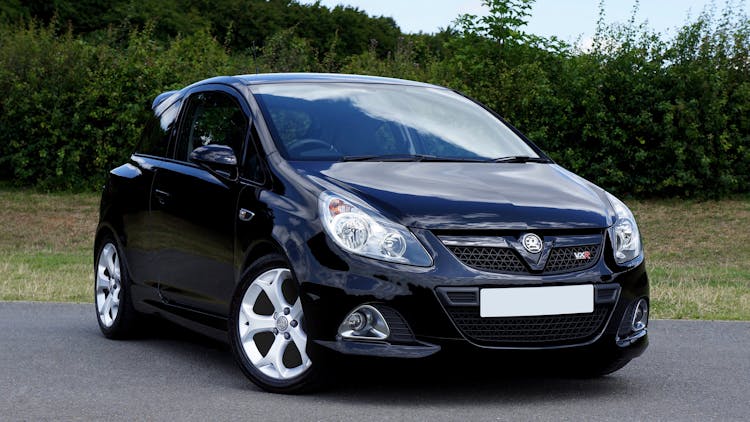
698 253
698 257
45 245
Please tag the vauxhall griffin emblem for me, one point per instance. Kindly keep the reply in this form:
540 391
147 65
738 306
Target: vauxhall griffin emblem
531 243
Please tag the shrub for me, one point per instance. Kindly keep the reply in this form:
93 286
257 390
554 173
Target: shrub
638 114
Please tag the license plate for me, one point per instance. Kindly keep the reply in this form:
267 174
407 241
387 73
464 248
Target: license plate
530 301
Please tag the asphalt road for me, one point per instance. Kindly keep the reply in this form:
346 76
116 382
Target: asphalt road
55 365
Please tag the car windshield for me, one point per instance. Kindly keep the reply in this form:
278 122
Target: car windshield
363 122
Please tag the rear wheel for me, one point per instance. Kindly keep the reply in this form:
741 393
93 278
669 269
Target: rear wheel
267 329
114 310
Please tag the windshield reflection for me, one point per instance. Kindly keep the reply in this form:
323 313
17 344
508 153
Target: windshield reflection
332 120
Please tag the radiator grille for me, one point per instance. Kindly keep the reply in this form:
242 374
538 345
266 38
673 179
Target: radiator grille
506 260
567 259
530 330
489 258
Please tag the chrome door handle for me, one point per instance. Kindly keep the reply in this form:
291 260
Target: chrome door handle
246 215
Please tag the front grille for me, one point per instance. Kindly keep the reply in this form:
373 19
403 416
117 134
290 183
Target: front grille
530 330
506 260
563 260
489 258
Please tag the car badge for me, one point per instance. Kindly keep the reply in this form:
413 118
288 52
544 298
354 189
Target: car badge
532 243
582 255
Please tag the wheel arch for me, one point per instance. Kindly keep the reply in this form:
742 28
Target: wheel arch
106 229
257 250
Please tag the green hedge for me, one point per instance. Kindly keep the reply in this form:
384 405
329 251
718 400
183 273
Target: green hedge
637 114
72 108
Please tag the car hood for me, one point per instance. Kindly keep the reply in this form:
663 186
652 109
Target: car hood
479 196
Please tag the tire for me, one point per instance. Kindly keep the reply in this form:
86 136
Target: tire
112 301
267 330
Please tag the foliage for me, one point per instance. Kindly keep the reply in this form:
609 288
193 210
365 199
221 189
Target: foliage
240 24
72 108
638 114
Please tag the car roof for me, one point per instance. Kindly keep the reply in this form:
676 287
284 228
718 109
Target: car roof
266 78
280 78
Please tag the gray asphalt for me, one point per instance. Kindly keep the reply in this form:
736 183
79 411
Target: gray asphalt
55 365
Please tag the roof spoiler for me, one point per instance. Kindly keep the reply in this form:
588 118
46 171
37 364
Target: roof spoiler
161 97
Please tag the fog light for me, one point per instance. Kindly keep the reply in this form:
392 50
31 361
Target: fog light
640 316
365 322
356 321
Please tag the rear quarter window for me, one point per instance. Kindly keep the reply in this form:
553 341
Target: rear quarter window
157 133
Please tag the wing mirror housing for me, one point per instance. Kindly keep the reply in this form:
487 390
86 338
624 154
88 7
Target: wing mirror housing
219 159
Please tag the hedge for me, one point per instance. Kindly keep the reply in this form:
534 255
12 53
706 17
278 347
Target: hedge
637 114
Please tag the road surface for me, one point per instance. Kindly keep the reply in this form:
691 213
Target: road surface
55 365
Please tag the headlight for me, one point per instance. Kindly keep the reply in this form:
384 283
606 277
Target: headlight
358 228
626 240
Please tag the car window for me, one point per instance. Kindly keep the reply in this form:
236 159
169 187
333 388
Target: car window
332 121
155 137
211 118
253 167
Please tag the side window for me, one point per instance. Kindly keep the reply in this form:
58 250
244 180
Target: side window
211 118
155 137
253 167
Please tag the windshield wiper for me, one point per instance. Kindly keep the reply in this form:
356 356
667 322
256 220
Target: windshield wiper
387 157
520 159
408 157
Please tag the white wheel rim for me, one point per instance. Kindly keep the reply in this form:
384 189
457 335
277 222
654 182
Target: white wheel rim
108 285
285 324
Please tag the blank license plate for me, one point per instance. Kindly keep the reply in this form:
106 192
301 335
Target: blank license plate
530 301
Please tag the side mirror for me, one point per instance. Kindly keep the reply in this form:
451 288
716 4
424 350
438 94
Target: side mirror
218 158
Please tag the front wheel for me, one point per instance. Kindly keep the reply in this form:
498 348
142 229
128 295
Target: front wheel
267 329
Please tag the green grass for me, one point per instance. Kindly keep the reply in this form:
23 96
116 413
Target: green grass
698 253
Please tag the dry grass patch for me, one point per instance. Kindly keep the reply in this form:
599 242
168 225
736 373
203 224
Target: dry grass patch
698 257
45 244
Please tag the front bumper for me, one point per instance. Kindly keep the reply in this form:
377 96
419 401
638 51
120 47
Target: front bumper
335 282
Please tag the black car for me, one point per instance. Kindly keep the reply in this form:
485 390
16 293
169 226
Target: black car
302 215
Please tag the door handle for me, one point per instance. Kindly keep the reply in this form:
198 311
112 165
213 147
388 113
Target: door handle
161 196
246 215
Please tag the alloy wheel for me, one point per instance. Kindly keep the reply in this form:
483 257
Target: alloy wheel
108 285
270 324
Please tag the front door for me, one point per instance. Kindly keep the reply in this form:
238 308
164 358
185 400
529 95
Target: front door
194 210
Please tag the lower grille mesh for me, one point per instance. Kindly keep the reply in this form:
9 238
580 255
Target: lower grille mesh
530 330
400 331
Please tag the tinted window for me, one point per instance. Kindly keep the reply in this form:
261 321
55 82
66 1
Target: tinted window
211 118
155 137
328 121
253 166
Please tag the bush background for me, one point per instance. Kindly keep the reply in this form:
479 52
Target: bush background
639 114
